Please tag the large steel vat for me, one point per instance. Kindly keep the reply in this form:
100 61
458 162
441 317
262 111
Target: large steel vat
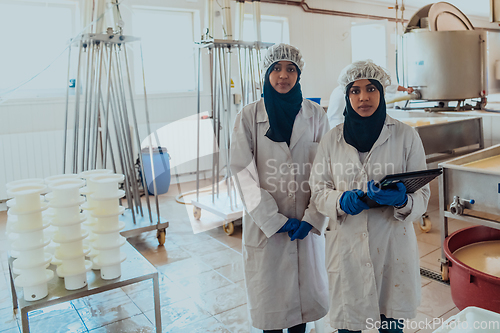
444 65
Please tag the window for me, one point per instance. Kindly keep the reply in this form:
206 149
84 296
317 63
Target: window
33 34
368 41
167 38
273 29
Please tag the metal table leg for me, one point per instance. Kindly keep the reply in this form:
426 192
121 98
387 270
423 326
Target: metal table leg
25 325
156 293
13 290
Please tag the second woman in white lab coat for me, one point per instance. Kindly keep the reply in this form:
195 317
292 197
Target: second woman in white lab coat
336 103
273 146
371 254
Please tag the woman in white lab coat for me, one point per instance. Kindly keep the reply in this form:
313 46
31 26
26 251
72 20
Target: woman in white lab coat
371 254
273 146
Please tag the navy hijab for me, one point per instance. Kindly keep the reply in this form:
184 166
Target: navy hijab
362 132
281 108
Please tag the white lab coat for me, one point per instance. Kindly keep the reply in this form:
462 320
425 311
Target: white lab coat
372 258
286 281
336 104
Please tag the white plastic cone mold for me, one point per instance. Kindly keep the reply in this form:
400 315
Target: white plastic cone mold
106 186
24 212
108 231
66 192
28 224
30 181
22 223
91 185
32 288
110 259
26 197
88 206
65 176
106 209
65 201
87 175
16 183
57 178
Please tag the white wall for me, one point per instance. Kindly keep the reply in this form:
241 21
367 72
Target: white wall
323 39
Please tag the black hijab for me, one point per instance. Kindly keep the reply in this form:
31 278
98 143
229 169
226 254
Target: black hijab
281 109
362 132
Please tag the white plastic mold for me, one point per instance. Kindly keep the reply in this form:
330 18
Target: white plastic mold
66 214
12 202
106 186
104 241
87 175
107 207
56 178
110 269
77 219
107 225
73 250
21 244
74 273
65 238
66 192
35 284
24 182
27 196
36 259
108 249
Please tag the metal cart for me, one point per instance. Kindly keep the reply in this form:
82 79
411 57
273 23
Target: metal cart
227 205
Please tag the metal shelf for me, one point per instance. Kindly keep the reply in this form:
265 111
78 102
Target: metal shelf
135 269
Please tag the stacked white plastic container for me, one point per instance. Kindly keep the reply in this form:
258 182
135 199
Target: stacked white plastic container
11 218
52 230
106 200
65 200
87 207
28 224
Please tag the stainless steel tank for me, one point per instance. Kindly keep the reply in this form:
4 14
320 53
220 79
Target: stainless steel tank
444 65
492 61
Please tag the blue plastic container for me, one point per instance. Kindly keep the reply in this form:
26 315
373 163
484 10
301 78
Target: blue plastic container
315 99
161 163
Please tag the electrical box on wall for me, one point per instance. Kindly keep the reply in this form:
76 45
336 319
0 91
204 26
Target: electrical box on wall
237 99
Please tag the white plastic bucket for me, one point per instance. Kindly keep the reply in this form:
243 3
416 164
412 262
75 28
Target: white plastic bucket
471 320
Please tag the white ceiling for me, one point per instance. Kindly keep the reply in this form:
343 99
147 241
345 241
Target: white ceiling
468 7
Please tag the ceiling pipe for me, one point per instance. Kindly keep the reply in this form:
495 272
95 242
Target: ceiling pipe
228 26
240 19
257 20
305 7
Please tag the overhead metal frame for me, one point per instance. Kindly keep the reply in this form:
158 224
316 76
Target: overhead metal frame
249 57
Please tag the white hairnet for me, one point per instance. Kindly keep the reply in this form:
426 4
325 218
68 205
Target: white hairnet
364 69
282 52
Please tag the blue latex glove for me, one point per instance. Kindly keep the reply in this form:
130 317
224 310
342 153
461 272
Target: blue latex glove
390 197
351 203
301 232
290 225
